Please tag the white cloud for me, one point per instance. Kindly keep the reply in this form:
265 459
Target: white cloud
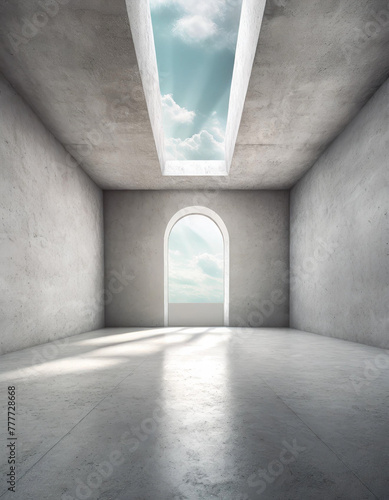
196 271
201 146
215 128
197 280
211 265
174 112
208 144
200 20
194 28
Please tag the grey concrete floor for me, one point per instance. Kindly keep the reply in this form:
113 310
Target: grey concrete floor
196 413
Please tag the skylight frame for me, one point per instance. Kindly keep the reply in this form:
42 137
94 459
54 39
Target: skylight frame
143 39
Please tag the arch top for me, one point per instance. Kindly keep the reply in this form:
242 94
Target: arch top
207 212
198 210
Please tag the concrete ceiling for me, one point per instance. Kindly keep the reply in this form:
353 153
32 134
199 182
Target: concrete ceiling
317 63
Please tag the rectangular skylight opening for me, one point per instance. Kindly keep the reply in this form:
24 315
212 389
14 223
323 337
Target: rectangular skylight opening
195 58
196 167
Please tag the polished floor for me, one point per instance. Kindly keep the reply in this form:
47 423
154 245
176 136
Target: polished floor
198 413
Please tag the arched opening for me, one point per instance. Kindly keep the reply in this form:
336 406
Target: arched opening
196 269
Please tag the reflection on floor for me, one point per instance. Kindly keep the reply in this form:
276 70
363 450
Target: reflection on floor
198 413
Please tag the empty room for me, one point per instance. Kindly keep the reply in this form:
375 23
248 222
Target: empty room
194 260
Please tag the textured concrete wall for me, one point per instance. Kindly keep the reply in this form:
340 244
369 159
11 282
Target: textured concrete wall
51 229
249 30
258 226
340 234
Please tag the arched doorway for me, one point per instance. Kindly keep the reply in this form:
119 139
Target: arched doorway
196 249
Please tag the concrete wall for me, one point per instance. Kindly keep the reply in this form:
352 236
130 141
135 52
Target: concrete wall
51 230
340 234
258 226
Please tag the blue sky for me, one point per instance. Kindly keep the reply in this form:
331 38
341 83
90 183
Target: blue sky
195 43
196 261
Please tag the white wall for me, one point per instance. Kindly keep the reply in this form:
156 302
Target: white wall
340 234
51 231
258 226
